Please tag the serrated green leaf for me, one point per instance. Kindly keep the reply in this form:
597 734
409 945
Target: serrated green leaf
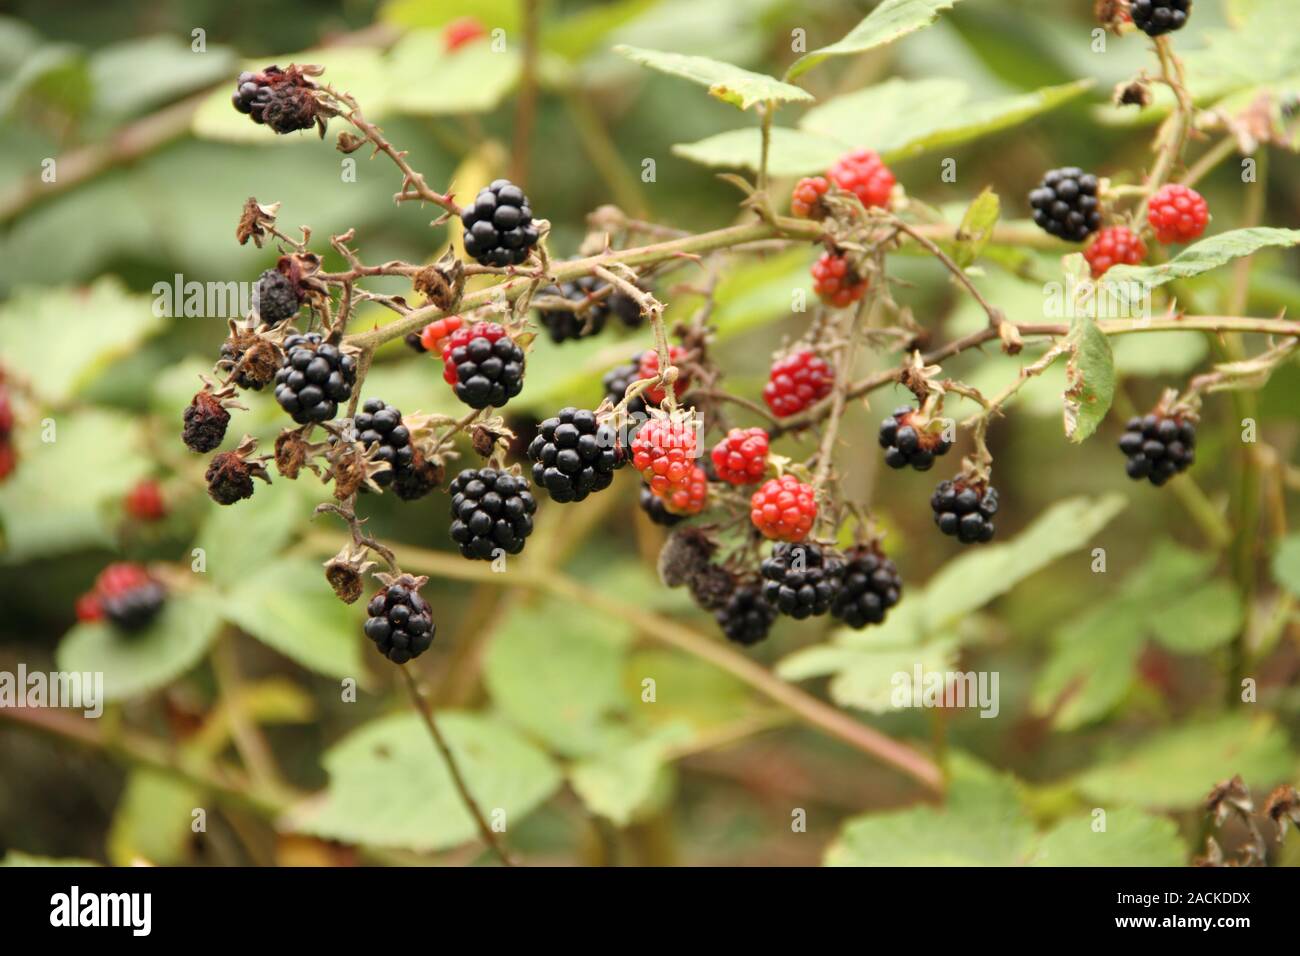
890 21
137 663
1129 284
976 227
1176 768
731 84
290 607
1131 838
389 786
1206 618
1090 380
428 81
624 783
791 152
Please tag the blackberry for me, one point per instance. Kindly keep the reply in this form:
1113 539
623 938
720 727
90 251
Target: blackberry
276 297
484 365
499 229
564 324
134 608
414 343
380 425
654 508
573 456
618 379
712 587
869 587
800 580
905 444
205 423
289 107
1158 447
747 617
1065 204
251 90
965 509
491 510
229 478
1158 17
417 480
400 621
314 378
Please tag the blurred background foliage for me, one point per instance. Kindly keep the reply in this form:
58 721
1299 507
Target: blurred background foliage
1112 684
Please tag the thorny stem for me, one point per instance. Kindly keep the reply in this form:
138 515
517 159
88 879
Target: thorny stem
1174 136
485 831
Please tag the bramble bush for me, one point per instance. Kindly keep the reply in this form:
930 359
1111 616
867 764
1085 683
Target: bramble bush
584 367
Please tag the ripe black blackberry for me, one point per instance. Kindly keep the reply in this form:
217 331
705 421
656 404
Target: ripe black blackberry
314 378
801 579
905 444
400 621
573 456
617 380
869 587
1065 204
747 617
1158 447
1158 17
380 425
491 510
499 229
412 340
276 297
564 324
134 608
484 365
654 508
205 422
965 508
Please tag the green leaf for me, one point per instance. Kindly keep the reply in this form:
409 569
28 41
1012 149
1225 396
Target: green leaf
421 14
1175 769
289 606
1130 283
58 498
563 684
1159 354
1090 380
575 36
1200 621
389 786
152 821
19 858
428 81
890 21
1131 838
688 692
137 663
624 783
1286 563
791 152
981 823
96 328
731 84
232 554
131 76
976 227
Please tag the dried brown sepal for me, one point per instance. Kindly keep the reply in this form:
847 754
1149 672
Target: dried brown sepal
255 220
293 453
422 477
230 474
255 357
1283 808
348 143
442 283
346 572
1228 797
412 582
351 468
1133 93
1111 14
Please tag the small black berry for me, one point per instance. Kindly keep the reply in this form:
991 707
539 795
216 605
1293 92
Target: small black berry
276 297
491 511
205 423
800 579
869 587
1065 204
906 444
747 617
618 379
315 377
289 107
1158 17
229 478
499 229
1158 447
654 508
564 324
400 621
573 456
379 426
965 509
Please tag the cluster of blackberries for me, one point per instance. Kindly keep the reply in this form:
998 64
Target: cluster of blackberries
379 427
905 444
869 586
499 228
281 99
276 297
1065 204
491 511
400 621
587 318
800 579
573 456
315 377
1158 447
484 365
965 508
1158 17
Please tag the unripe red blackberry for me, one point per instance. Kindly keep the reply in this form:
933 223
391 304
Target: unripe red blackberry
801 580
964 508
1177 214
400 621
1116 246
434 336
126 594
869 586
1158 446
862 173
499 229
906 444
690 497
740 458
144 501
649 368
797 381
664 450
784 509
1065 204
835 282
461 31
806 200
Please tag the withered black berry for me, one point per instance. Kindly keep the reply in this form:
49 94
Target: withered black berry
276 297
589 317
229 478
205 423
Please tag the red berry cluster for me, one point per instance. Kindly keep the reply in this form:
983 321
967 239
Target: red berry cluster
664 451
461 31
862 173
741 457
797 381
806 201
784 508
433 337
1177 214
144 501
1115 246
835 282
